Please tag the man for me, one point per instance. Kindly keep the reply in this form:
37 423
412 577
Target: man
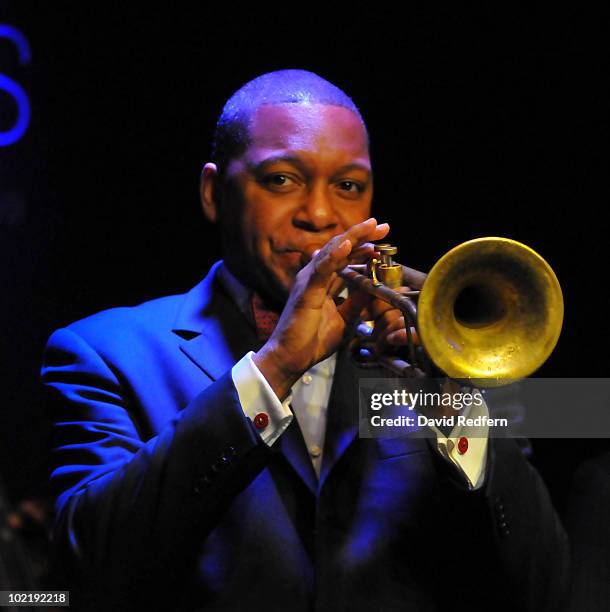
207 453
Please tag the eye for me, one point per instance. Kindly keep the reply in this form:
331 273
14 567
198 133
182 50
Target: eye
277 180
351 186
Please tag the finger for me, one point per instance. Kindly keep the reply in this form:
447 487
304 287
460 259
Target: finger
362 253
377 308
336 286
321 273
359 236
367 231
334 254
331 258
395 324
359 255
400 338
352 307
391 321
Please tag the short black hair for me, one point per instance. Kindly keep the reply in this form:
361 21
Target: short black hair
280 87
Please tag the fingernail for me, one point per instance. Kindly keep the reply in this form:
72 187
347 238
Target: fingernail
383 225
344 243
315 252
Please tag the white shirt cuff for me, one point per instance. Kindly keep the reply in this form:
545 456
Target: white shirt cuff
256 396
471 462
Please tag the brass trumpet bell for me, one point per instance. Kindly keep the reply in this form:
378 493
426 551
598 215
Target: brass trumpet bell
490 309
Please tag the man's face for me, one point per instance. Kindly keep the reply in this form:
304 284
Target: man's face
305 177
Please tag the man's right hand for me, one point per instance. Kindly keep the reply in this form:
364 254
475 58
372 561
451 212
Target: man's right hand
312 326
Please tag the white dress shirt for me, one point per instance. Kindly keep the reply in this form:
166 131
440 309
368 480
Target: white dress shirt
308 401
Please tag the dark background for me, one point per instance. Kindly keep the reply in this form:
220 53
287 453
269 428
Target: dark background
486 123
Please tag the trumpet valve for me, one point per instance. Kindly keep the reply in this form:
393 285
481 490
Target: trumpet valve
387 271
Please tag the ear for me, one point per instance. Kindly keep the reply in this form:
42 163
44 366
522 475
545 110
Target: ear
208 191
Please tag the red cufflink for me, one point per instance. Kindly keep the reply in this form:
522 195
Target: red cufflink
462 445
261 420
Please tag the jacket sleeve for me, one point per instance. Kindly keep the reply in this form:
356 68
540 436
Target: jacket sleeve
530 536
510 528
130 512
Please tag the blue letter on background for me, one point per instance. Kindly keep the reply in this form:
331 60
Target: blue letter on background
14 89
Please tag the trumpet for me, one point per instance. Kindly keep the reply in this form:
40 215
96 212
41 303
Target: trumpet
491 309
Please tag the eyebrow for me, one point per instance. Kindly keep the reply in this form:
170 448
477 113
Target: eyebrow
298 163
355 166
275 159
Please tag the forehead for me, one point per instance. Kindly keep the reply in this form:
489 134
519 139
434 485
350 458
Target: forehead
310 128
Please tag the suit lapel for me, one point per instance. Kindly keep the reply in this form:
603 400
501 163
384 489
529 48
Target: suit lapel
217 350
293 447
342 414
343 409
216 334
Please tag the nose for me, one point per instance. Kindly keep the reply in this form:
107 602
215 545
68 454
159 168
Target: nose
317 212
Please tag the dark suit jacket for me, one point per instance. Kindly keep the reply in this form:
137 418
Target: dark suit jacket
588 524
166 493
